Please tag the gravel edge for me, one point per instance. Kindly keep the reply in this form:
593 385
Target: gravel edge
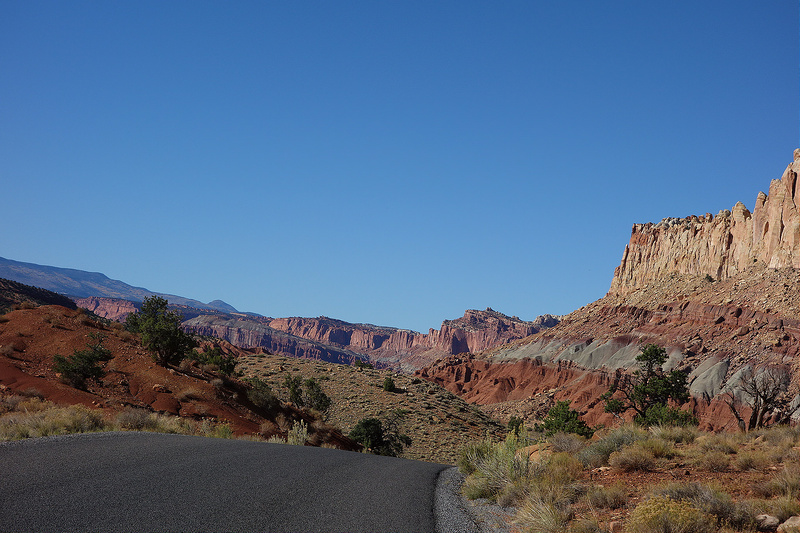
453 513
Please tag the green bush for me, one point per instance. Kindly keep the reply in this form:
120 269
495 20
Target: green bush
562 418
294 385
260 393
225 363
381 437
160 331
649 390
661 514
314 397
83 365
388 384
363 364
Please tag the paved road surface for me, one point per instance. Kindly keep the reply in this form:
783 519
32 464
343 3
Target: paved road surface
151 482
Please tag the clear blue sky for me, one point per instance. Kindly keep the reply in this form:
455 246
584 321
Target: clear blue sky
384 162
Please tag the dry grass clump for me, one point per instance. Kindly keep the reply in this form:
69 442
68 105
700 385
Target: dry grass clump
751 460
495 466
675 434
611 497
713 461
543 516
567 442
785 484
598 452
36 418
718 442
633 458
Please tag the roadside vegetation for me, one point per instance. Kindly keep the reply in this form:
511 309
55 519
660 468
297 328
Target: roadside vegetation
649 480
23 417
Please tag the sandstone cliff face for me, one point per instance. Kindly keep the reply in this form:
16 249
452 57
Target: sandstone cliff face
718 246
748 316
250 334
407 350
111 308
338 341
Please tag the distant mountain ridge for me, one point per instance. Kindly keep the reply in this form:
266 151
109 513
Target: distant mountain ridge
82 284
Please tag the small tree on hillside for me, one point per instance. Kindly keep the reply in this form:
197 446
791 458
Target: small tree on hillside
767 395
562 418
160 331
649 390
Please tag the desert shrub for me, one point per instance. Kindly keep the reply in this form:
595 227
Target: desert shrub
542 516
160 331
314 397
718 443
214 359
495 466
598 453
786 484
515 425
782 507
294 387
83 365
632 458
562 418
222 431
710 501
190 394
567 442
136 419
676 434
45 419
472 454
363 364
751 460
659 448
661 514
388 384
713 461
260 393
298 435
611 497
381 437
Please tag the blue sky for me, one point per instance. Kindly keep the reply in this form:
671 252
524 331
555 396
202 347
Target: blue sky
384 162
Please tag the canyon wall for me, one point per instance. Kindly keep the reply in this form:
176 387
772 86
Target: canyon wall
718 246
400 349
720 294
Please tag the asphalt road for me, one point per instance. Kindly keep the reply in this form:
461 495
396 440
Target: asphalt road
115 482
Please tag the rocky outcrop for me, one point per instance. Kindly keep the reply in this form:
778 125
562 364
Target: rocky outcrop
717 246
742 313
408 350
110 308
250 334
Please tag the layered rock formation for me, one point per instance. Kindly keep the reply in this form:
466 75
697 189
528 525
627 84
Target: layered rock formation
335 340
110 308
718 246
663 292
